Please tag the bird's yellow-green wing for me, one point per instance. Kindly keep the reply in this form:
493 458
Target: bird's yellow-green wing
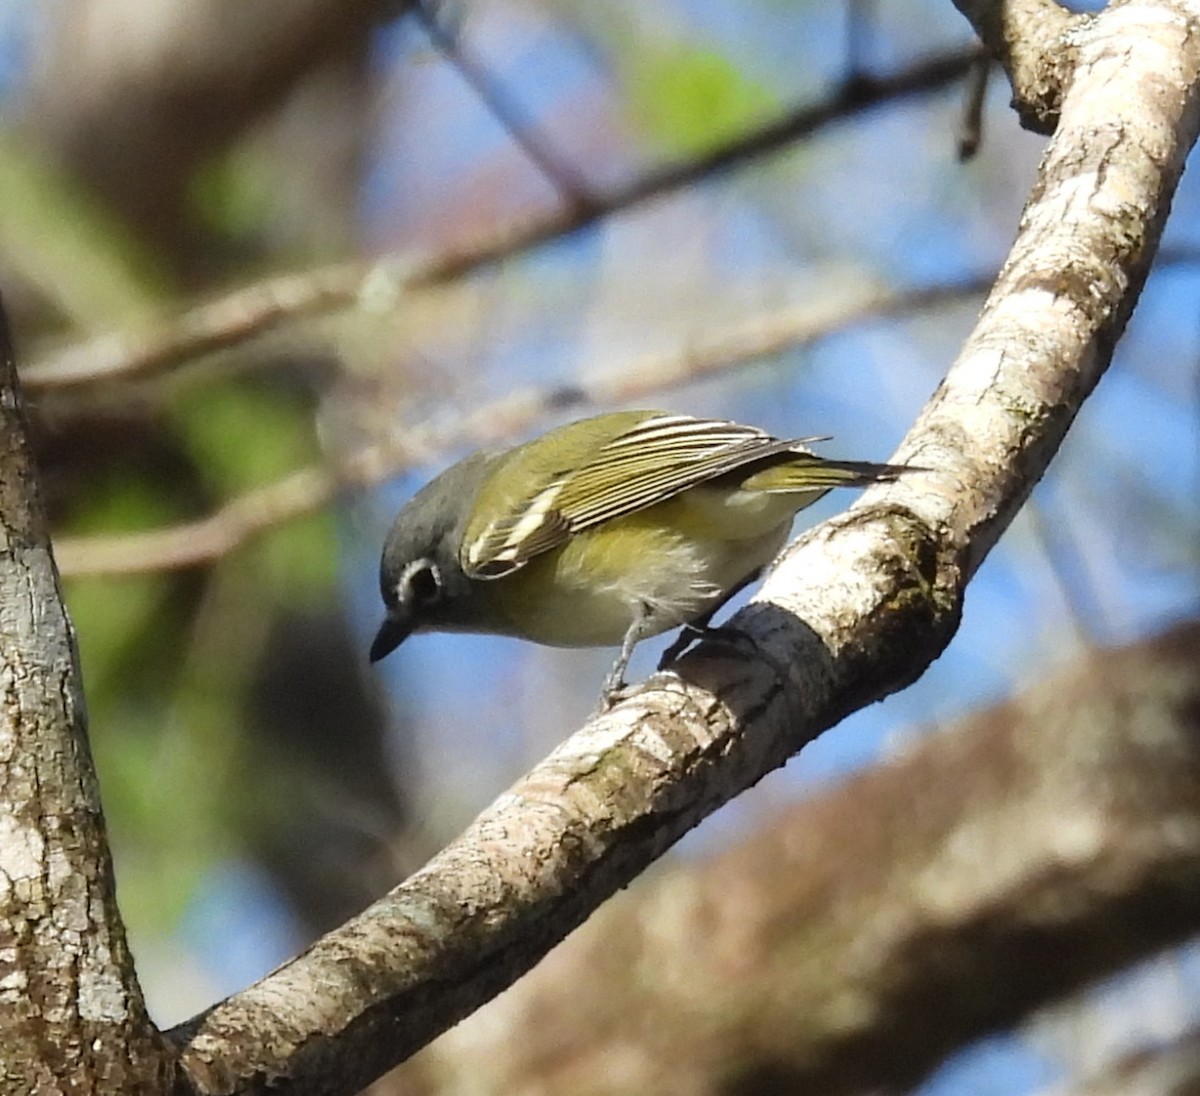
601 469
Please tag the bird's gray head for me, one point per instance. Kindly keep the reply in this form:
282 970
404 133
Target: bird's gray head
420 575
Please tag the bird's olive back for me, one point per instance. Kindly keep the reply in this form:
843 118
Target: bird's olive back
521 473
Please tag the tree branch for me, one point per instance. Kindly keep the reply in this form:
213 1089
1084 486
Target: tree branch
72 1017
1032 40
221 324
258 511
863 934
857 609
253 311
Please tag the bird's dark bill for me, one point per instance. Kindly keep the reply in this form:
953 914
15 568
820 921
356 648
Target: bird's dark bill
391 634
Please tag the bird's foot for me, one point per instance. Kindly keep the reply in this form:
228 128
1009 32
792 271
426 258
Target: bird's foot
724 637
688 634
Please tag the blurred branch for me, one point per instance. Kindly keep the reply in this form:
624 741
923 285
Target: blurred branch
862 33
248 313
856 609
205 329
307 489
857 95
860 936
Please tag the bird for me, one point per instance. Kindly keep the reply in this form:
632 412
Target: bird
601 532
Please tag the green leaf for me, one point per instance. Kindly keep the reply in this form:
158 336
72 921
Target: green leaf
242 436
691 99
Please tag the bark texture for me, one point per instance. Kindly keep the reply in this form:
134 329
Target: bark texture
71 1013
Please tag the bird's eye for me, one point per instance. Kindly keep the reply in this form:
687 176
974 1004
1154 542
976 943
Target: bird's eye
423 583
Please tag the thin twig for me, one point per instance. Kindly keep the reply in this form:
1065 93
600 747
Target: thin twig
970 133
1033 43
571 186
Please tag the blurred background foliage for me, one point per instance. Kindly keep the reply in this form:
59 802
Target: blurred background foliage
260 781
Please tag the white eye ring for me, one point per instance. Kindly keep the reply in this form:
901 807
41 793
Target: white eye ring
421 581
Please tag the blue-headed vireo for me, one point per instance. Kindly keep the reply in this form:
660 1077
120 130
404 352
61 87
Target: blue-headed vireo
601 532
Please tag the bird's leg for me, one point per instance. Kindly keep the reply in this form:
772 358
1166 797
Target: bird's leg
614 683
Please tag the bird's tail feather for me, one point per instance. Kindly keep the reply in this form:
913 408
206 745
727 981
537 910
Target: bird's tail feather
816 473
